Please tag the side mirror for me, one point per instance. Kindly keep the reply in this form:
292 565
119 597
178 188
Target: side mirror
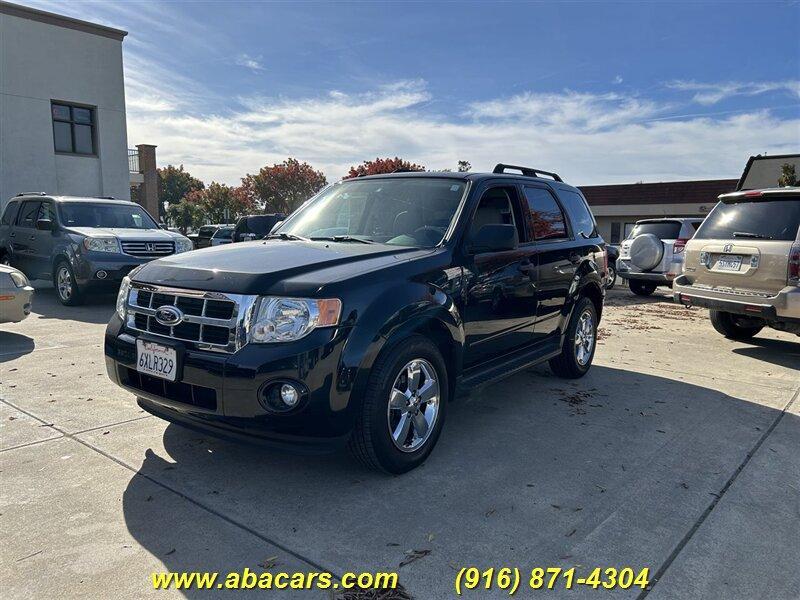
45 225
163 226
494 238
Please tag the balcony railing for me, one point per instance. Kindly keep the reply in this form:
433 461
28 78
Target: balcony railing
133 160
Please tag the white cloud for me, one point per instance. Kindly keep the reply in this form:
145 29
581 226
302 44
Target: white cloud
254 64
588 138
711 93
617 80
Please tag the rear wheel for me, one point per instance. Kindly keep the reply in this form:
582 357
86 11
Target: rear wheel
735 327
612 277
404 407
580 341
66 287
642 288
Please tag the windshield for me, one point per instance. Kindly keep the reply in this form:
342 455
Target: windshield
401 212
765 219
663 230
224 234
123 216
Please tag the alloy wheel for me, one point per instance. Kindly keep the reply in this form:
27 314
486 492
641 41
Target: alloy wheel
413 405
64 283
584 338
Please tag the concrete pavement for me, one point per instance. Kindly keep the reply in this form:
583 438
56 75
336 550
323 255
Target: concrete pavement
680 451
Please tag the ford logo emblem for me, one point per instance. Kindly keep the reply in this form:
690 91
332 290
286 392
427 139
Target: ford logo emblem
169 315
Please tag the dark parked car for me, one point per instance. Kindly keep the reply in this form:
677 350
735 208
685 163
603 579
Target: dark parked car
81 243
255 227
204 235
366 312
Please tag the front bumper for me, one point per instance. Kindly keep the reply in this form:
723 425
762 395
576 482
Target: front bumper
115 266
783 306
15 304
219 393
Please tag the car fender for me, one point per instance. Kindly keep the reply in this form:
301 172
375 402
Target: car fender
588 281
401 310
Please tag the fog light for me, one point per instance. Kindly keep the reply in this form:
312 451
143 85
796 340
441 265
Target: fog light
282 396
101 274
290 395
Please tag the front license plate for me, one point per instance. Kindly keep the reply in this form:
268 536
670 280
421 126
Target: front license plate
729 263
156 359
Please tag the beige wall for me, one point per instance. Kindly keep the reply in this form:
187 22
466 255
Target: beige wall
40 62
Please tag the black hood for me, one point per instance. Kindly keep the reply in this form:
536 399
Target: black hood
272 266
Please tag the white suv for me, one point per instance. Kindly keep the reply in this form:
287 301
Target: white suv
653 253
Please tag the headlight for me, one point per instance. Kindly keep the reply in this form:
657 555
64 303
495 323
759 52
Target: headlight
287 319
101 244
18 278
183 245
122 297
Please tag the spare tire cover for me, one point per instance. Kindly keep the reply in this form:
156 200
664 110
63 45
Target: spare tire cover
646 251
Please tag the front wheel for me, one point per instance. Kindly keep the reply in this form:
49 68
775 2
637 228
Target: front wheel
612 277
735 327
580 341
66 287
404 407
642 288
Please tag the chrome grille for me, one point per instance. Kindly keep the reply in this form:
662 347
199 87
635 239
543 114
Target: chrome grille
211 320
148 248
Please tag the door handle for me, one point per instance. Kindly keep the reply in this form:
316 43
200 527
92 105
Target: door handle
12 234
33 237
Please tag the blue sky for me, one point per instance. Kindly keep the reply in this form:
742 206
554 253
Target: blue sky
600 92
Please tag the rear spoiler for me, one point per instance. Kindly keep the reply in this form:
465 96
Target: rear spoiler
768 194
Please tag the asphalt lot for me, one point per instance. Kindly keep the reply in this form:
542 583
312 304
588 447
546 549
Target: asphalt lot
680 451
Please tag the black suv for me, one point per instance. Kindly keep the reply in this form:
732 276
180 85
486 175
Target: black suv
255 227
81 243
366 312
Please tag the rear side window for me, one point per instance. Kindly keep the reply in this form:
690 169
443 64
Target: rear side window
762 219
27 215
663 230
579 214
545 218
10 213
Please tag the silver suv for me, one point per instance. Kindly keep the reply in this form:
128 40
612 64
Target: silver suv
82 243
652 255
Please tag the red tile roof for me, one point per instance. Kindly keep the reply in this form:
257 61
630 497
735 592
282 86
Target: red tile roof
672 192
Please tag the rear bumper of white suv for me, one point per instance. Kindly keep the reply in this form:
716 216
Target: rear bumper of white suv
627 270
783 306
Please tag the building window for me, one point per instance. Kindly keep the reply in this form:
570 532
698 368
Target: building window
73 129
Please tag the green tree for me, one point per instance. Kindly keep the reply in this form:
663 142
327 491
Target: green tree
283 186
185 215
174 183
220 203
788 176
382 165
464 166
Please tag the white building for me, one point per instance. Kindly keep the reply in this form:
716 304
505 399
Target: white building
62 106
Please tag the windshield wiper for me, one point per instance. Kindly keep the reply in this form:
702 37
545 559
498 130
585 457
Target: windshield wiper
748 234
343 238
285 236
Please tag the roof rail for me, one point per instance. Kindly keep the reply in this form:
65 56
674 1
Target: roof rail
31 194
527 171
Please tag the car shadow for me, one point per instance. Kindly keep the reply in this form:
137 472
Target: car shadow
622 296
96 308
14 345
531 466
777 352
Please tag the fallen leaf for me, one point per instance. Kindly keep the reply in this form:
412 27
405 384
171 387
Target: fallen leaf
269 562
412 555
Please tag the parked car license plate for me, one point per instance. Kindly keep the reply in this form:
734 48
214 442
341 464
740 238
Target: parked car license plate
156 359
729 263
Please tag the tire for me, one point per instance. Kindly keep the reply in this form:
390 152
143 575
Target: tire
378 435
67 290
612 277
576 359
642 288
735 327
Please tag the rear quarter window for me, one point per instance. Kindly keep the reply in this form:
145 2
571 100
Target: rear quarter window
767 219
578 212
